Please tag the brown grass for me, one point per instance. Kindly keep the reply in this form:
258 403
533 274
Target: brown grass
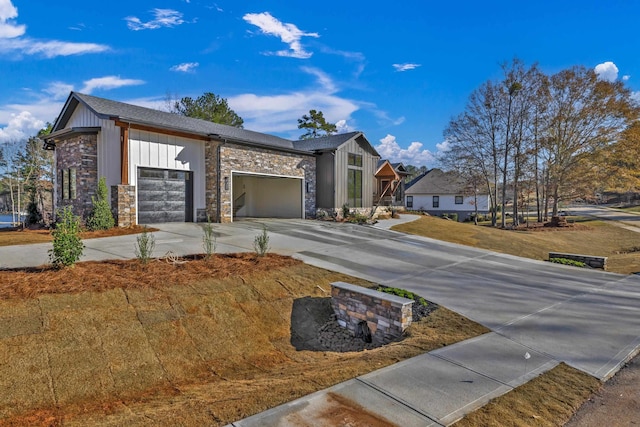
591 237
196 343
11 236
548 400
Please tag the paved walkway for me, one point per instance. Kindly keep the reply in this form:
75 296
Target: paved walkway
552 313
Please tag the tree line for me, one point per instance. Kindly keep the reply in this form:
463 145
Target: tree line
26 179
544 139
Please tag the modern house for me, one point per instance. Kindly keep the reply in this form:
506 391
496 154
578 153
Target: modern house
163 167
437 192
345 167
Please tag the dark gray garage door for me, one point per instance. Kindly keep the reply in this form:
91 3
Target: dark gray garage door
164 196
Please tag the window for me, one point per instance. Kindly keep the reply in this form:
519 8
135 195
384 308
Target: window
355 160
409 201
458 200
69 184
354 188
436 201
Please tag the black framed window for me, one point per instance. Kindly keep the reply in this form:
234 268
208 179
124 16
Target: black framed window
409 201
355 160
458 200
354 188
436 201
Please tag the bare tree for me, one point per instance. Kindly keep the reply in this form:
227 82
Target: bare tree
475 139
585 115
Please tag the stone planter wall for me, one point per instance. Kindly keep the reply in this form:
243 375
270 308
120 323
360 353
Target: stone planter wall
387 316
591 260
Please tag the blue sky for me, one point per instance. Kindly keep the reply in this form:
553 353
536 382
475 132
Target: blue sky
398 71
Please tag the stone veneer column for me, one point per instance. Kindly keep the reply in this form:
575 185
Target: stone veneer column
81 154
123 205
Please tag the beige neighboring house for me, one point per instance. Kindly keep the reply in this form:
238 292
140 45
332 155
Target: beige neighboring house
437 192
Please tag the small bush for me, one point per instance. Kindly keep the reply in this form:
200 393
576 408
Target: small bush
209 240
454 217
67 245
101 217
566 261
346 212
402 293
261 242
357 218
145 244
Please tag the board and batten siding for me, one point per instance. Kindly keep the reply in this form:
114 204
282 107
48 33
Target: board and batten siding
369 167
156 150
108 150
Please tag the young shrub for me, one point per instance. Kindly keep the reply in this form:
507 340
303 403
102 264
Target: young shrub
567 261
209 240
101 217
67 245
145 244
261 242
346 212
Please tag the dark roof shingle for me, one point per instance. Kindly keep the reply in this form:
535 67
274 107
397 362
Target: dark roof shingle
106 108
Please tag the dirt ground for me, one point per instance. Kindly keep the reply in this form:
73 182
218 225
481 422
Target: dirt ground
617 403
191 342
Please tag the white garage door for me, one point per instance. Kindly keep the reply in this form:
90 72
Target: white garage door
266 196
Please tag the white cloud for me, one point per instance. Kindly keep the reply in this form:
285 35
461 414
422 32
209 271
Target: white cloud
20 126
280 113
12 40
323 78
415 154
50 48
607 71
405 67
8 13
162 18
626 77
185 67
288 33
343 127
108 82
58 90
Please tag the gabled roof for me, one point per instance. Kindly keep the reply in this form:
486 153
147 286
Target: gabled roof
437 181
333 142
108 109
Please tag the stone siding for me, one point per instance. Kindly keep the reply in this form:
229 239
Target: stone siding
123 204
81 155
591 260
387 315
236 157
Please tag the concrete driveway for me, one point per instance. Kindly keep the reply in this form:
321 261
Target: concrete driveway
551 313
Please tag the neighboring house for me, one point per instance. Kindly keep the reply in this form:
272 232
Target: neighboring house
390 179
437 193
163 167
345 166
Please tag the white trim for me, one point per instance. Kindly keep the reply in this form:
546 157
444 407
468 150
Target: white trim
302 187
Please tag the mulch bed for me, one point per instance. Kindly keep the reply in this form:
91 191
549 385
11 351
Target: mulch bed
543 226
127 274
